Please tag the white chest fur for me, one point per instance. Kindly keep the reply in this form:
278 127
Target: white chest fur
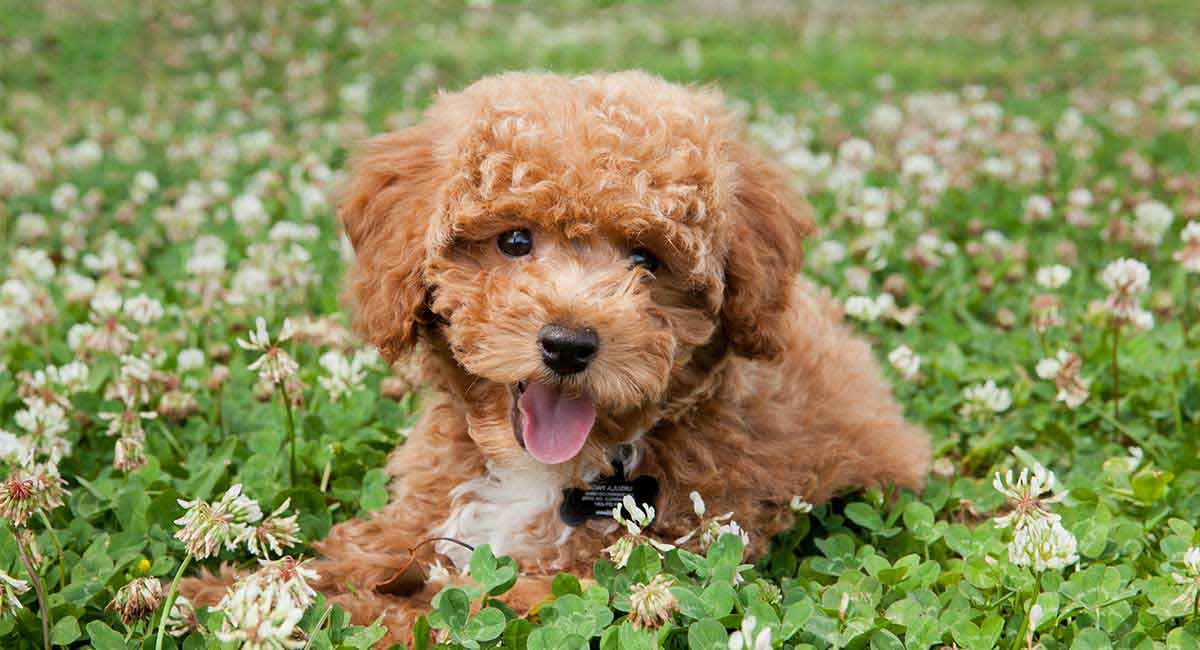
514 509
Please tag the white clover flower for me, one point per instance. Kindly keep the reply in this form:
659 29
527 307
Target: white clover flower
275 365
182 618
905 361
863 308
275 532
72 376
143 309
1029 496
1151 220
33 263
137 600
1053 277
10 589
293 575
639 517
885 119
856 153
1126 279
652 604
1189 256
1190 577
1038 208
356 96
711 528
129 453
345 376
261 617
205 528
711 534
747 639
250 213
1043 544
1126 276
106 303
827 253
78 288
985 398
1191 560
1064 370
799 505
42 418
190 359
1080 197
30 490
15 449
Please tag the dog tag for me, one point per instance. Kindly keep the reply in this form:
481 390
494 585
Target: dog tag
598 499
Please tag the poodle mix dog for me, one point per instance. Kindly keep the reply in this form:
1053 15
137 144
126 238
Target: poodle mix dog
598 276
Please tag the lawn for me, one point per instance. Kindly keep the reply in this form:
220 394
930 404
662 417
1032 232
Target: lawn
1008 196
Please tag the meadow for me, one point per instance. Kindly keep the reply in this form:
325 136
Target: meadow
1008 196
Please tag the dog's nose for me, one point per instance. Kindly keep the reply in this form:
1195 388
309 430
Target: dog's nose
567 350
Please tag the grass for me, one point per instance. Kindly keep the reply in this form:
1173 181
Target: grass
220 102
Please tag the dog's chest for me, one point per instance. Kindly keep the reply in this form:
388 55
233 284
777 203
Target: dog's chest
512 509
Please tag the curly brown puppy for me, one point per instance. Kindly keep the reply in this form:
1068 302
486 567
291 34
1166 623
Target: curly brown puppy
602 277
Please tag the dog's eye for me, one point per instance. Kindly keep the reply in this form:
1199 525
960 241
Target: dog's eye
515 243
644 258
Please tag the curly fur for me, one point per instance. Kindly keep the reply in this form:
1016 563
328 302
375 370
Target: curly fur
728 374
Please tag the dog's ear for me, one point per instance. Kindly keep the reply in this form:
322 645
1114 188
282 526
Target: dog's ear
385 208
770 223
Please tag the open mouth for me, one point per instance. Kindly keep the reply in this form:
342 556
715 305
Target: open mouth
549 423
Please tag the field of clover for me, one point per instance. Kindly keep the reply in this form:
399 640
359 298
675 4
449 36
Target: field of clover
1009 202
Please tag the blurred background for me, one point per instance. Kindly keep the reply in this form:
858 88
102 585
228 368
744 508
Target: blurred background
980 173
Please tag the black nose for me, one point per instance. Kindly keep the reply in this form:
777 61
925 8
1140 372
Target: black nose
566 350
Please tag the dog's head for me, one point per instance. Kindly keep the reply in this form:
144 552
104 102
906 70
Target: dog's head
573 247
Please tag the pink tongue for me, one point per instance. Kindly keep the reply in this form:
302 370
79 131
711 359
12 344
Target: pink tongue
554 426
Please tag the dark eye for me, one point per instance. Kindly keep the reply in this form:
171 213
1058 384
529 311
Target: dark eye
515 243
644 258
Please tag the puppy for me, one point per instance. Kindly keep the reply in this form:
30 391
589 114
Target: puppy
598 278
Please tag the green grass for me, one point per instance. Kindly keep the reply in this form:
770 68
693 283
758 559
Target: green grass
196 85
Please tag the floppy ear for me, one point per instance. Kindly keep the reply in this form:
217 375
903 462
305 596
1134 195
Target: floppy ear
385 208
765 252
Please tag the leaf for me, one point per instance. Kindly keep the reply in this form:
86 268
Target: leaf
631 638
486 625
565 583
103 637
644 564
794 618
453 608
719 599
865 516
707 634
724 557
374 491
363 638
689 602
421 633
66 631
516 634
494 575
885 640
1091 639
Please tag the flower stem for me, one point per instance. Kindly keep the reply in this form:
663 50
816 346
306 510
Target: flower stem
1188 289
43 609
62 557
170 602
1116 371
291 429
